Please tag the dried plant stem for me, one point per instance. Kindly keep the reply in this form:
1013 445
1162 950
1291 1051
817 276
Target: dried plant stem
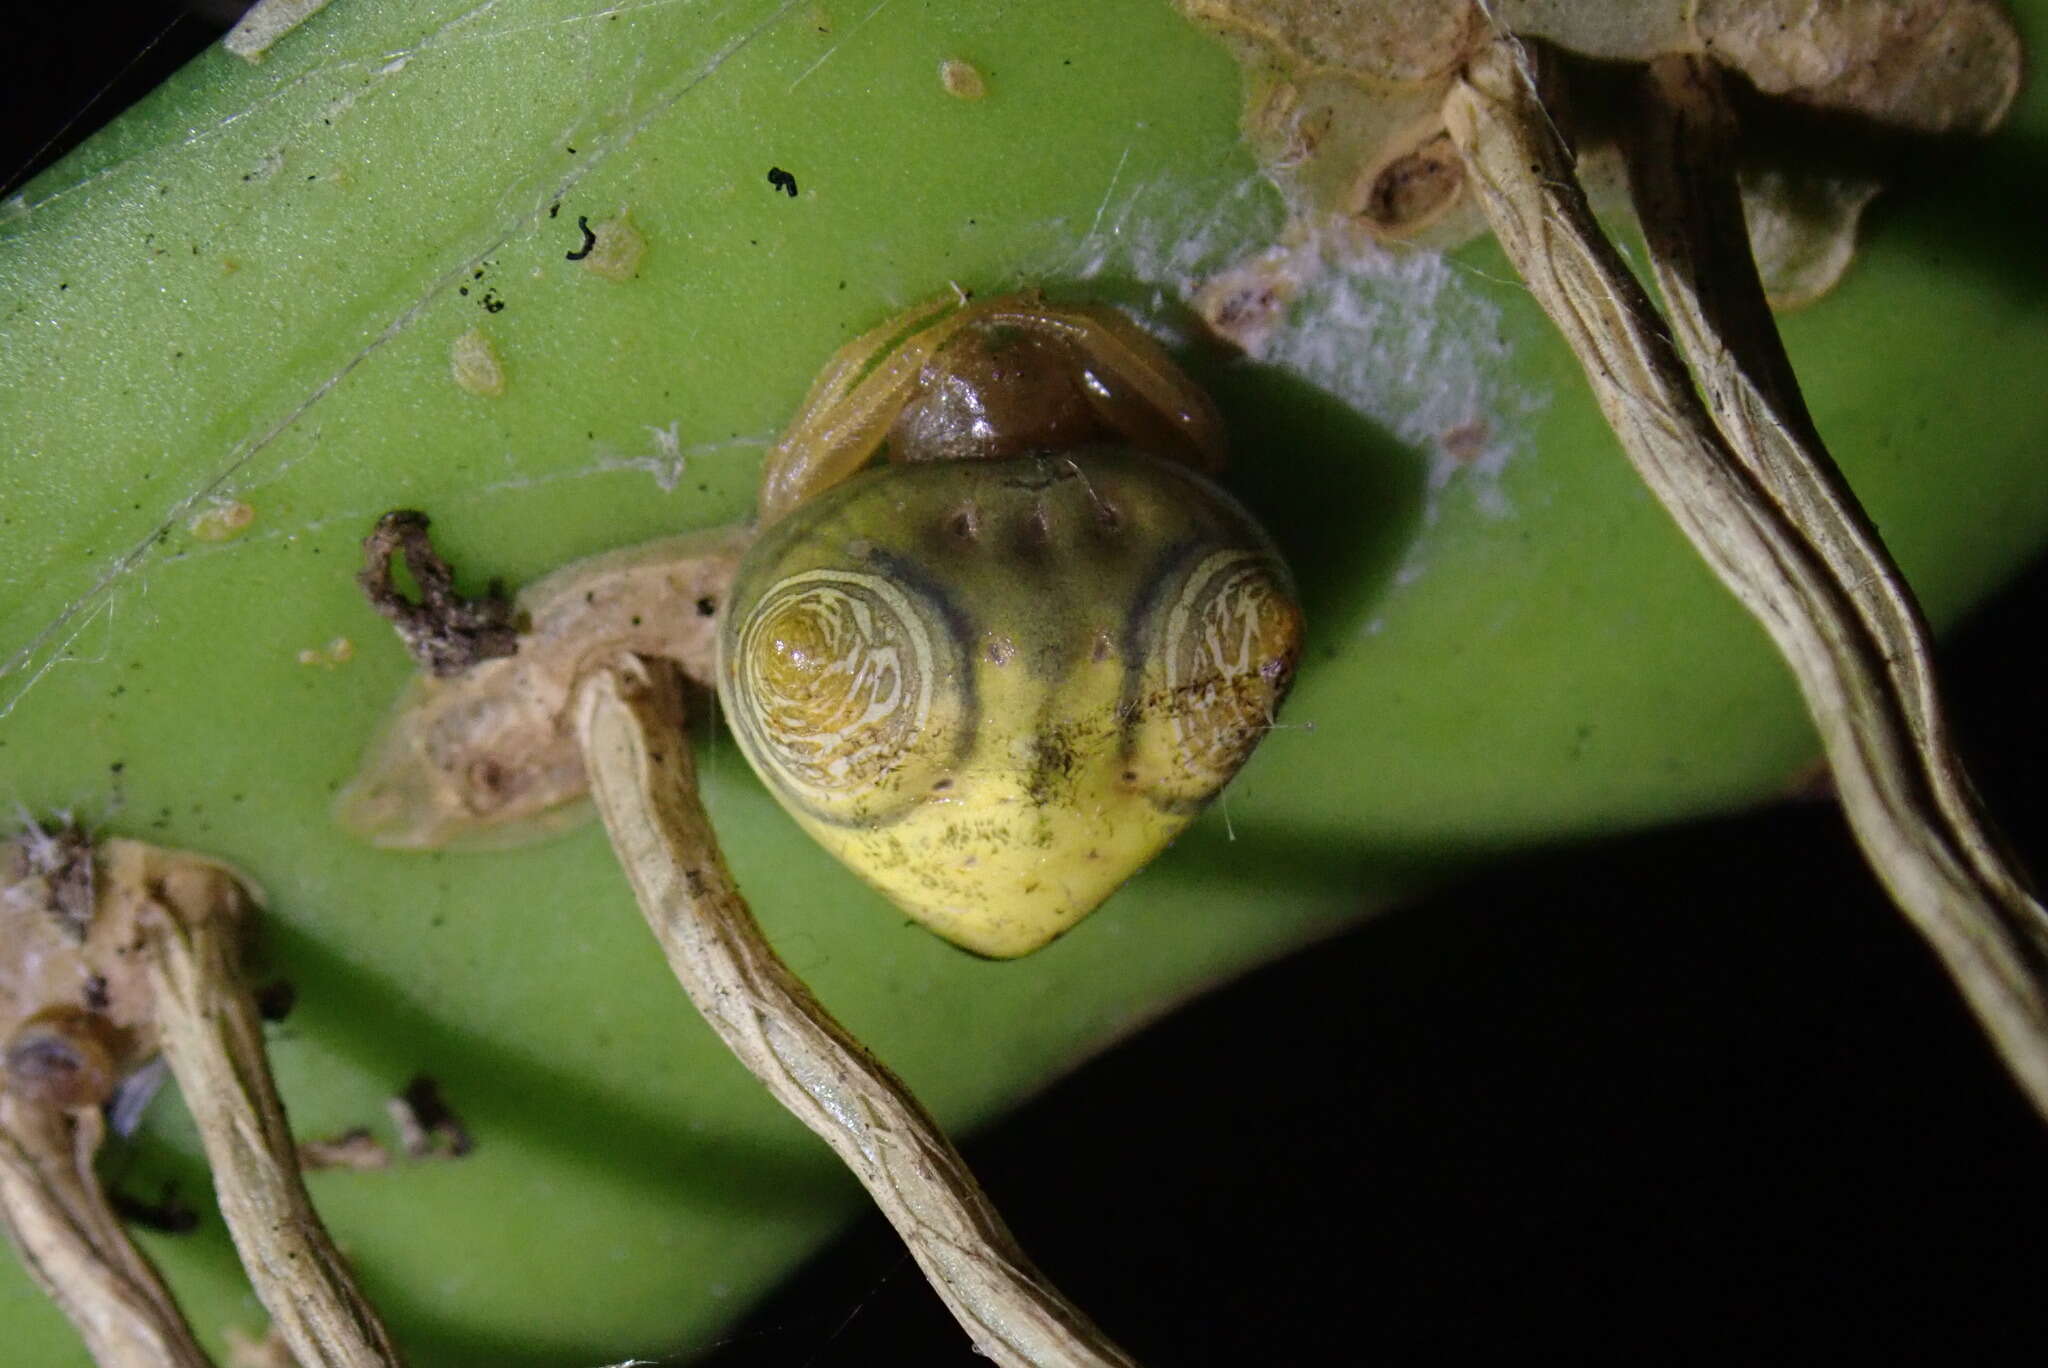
1971 903
1767 511
213 1039
629 721
75 1248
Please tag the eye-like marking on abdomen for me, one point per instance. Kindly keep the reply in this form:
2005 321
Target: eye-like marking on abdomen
1214 651
842 680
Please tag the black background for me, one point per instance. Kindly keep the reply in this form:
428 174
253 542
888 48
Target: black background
1693 1096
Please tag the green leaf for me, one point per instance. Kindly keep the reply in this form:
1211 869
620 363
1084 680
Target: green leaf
244 294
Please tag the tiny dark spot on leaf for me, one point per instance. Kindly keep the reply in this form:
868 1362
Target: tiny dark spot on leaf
275 1000
589 239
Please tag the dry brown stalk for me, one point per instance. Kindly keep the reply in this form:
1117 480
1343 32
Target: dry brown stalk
212 1037
74 1246
1762 504
629 721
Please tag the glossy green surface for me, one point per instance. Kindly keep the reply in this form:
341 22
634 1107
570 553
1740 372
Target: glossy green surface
248 289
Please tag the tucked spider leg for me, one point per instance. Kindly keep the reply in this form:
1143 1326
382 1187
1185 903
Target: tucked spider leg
850 364
849 409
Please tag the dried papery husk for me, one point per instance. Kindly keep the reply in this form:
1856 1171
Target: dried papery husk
1610 30
1921 66
192 912
642 777
1802 229
1340 95
1387 42
487 757
59 1221
1775 526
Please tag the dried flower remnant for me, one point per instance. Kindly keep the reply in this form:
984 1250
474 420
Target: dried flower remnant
1343 101
76 1019
1802 229
484 757
1925 66
156 966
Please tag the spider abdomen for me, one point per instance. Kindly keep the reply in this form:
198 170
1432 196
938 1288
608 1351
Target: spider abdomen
995 689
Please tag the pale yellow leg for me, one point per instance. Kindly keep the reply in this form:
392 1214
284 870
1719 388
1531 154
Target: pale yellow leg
851 405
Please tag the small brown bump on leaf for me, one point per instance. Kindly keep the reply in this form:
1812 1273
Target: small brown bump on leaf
1466 442
354 1149
1245 304
474 364
443 631
222 520
616 250
962 80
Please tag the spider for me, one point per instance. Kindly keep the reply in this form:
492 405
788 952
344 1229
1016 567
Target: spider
993 640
